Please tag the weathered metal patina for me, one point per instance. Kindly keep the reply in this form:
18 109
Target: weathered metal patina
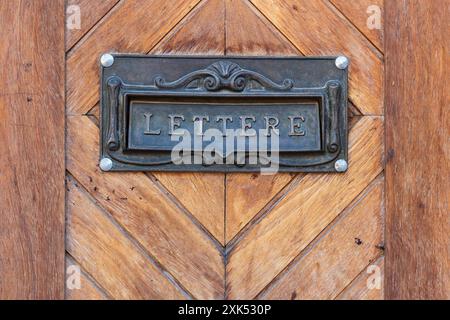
146 100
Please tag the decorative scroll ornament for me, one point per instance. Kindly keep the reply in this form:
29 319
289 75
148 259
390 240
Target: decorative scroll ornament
334 95
224 75
113 86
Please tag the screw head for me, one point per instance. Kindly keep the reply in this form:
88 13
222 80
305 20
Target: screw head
106 164
341 62
107 60
341 165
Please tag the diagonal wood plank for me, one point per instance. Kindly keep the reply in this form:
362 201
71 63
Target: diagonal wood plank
202 194
88 290
135 26
339 255
303 213
358 13
201 32
134 199
358 289
146 213
105 252
247 194
315 29
249 32
91 11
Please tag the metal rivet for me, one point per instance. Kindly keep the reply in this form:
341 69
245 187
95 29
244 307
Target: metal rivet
106 164
107 60
341 62
341 165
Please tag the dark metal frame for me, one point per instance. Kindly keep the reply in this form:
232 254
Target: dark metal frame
222 77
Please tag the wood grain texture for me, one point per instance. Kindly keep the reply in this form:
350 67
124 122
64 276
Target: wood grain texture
358 12
247 194
32 156
303 213
417 148
91 11
249 33
202 31
147 21
95 240
316 29
359 290
173 217
88 289
202 194
148 214
344 249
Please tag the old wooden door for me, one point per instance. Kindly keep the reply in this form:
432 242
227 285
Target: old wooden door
233 236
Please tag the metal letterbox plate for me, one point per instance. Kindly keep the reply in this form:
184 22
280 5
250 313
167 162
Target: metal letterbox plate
256 111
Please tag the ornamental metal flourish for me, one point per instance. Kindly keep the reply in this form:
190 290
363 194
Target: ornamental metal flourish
223 75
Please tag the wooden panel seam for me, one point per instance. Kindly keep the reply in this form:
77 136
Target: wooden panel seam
363 272
80 37
375 47
176 202
87 275
323 233
140 248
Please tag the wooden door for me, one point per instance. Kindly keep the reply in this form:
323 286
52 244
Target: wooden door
233 236
182 236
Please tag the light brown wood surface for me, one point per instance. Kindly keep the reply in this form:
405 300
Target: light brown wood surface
88 289
32 155
345 248
359 289
145 211
131 17
91 11
215 236
307 209
201 194
317 29
417 150
247 194
353 10
231 236
125 270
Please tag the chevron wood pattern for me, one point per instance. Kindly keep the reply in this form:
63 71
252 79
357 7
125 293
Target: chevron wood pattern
233 236
353 9
91 11
202 194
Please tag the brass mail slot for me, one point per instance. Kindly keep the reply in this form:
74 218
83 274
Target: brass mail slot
171 113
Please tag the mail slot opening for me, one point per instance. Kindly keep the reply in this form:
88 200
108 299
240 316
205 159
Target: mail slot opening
153 122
